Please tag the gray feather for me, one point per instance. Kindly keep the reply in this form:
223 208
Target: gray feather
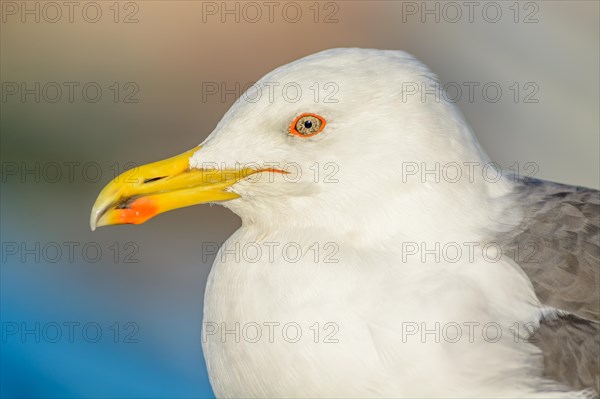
558 246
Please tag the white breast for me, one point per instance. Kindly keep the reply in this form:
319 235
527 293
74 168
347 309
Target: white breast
277 327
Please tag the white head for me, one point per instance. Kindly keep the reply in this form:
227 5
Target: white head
386 122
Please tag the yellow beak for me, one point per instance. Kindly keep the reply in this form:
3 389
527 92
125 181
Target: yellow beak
146 191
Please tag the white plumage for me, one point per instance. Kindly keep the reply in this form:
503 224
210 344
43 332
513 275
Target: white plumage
373 294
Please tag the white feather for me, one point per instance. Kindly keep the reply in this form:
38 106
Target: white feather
372 294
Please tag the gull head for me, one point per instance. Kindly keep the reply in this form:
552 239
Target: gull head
344 139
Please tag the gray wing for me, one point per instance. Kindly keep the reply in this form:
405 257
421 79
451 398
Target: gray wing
558 246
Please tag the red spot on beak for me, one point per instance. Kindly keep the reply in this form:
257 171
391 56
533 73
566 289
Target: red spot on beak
138 211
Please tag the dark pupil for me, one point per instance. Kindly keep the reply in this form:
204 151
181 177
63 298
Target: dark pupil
307 124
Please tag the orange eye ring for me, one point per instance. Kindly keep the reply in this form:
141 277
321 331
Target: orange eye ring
307 125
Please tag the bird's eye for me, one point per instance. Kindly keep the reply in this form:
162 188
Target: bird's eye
307 125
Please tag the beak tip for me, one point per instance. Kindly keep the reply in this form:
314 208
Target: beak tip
95 217
93 223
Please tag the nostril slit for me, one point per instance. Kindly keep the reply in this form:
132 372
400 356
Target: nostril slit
153 179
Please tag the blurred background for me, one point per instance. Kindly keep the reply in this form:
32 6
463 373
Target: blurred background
89 88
